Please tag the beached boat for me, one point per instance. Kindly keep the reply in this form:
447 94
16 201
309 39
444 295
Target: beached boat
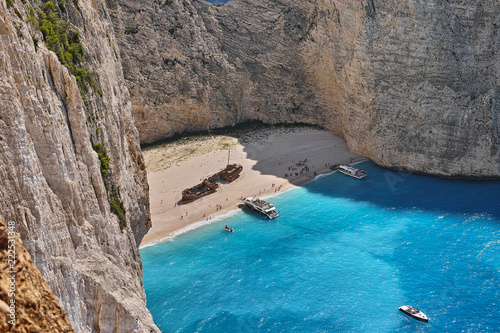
351 171
261 207
204 188
231 172
228 228
209 185
414 313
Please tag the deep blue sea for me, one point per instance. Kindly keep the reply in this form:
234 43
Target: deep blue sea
342 257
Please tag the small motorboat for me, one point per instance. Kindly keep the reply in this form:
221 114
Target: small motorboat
414 313
228 229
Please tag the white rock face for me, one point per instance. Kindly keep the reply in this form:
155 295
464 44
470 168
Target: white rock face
410 84
420 86
50 175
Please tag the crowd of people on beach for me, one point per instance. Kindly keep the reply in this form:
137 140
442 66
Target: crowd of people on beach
305 170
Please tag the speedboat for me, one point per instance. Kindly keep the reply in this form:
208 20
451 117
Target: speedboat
228 229
414 313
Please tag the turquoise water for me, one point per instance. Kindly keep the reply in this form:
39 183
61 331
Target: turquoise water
342 257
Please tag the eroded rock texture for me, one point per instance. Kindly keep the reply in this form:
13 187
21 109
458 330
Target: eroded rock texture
26 304
410 84
50 175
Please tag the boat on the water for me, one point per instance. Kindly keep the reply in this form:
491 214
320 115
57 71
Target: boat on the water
228 228
261 206
204 188
351 171
414 313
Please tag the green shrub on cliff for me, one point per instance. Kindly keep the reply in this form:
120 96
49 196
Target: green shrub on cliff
104 159
118 209
66 45
114 197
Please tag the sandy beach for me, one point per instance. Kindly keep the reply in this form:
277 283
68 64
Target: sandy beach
273 159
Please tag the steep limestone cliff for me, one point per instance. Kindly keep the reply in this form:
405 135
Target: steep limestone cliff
52 179
412 85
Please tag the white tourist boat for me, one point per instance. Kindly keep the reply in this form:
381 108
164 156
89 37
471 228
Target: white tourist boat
414 313
351 171
261 206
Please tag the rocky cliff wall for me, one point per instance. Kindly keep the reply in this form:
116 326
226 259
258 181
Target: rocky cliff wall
52 179
410 84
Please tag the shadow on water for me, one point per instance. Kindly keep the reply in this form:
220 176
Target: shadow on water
409 191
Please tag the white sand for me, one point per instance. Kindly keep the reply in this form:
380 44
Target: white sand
265 155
